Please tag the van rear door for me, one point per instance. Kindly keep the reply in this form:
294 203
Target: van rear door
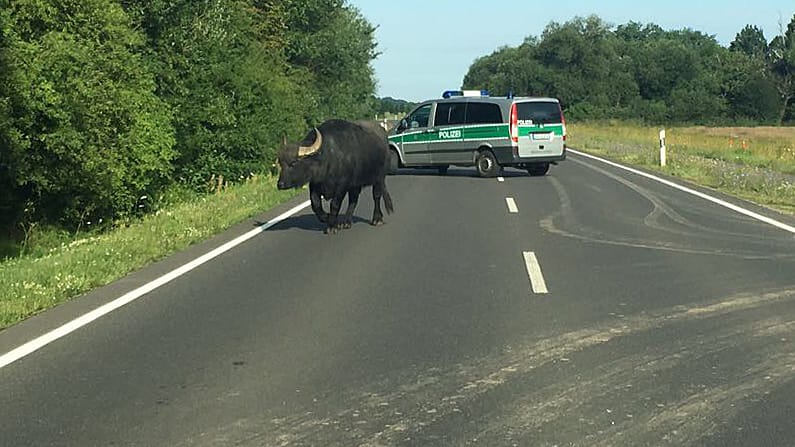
541 128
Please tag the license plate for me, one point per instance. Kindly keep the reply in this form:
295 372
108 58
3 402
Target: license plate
542 136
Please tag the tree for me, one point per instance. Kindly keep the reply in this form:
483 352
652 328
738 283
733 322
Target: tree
782 66
634 32
509 70
227 80
750 41
748 88
331 46
633 71
84 136
8 193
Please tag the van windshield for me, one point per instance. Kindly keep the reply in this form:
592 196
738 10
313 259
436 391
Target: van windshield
539 112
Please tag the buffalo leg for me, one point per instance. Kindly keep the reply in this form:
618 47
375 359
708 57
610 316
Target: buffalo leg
378 192
317 203
353 200
333 214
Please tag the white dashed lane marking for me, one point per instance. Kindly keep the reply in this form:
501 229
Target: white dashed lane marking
534 273
511 205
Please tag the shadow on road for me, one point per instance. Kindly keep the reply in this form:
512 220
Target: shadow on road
306 222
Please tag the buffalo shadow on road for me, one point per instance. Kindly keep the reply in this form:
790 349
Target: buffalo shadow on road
308 222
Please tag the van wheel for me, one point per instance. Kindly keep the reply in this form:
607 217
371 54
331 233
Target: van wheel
443 169
538 169
486 164
394 162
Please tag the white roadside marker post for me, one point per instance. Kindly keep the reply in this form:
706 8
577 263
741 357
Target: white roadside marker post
662 148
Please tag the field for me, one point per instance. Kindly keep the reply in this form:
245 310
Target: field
755 163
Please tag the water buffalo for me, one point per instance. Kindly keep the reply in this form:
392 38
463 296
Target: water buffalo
337 158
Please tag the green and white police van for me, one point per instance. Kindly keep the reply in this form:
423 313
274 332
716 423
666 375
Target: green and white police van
470 128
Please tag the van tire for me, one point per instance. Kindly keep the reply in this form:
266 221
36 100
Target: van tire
538 169
394 162
486 164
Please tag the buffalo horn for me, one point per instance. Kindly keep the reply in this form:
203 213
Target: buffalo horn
305 151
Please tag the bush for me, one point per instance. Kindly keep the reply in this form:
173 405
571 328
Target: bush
84 135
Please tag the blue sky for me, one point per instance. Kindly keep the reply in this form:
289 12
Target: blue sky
428 45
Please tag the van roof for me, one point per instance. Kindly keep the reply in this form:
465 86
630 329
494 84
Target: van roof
494 99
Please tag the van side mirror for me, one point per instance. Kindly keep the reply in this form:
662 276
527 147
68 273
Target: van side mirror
402 126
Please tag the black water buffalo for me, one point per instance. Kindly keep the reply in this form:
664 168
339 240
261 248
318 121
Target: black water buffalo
337 158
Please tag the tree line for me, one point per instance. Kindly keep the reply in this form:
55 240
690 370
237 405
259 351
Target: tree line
104 103
642 72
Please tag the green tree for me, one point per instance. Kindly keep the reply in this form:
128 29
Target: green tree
8 187
220 66
782 66
634 32
331 45
84 136
748 88
750 41
509 70
577 61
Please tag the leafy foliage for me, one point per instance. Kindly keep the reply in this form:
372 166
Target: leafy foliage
231 98
330 47
636 71
84 136
750 41
781 56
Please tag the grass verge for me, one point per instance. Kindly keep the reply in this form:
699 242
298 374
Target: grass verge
754 163
37 281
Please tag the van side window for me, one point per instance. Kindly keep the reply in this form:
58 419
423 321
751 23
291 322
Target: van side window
419 118
450 113
483 113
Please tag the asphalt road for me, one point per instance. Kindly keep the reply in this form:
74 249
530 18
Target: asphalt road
667 320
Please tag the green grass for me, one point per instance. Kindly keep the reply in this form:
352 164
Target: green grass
754 163
59 267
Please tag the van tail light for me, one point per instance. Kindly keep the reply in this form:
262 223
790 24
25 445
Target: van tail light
514 124
563 122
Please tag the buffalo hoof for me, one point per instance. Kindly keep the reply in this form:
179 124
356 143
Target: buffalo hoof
331 230
345 225
377 222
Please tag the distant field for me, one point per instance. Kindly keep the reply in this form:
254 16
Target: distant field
755 163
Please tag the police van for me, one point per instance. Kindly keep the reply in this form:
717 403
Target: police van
471 128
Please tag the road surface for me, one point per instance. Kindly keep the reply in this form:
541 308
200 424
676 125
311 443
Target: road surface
589 307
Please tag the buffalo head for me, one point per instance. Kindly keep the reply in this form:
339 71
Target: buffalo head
297 162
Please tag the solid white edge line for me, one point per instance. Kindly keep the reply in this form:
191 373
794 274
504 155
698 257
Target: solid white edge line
500 179
38 343
534 272
707 197
511 205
